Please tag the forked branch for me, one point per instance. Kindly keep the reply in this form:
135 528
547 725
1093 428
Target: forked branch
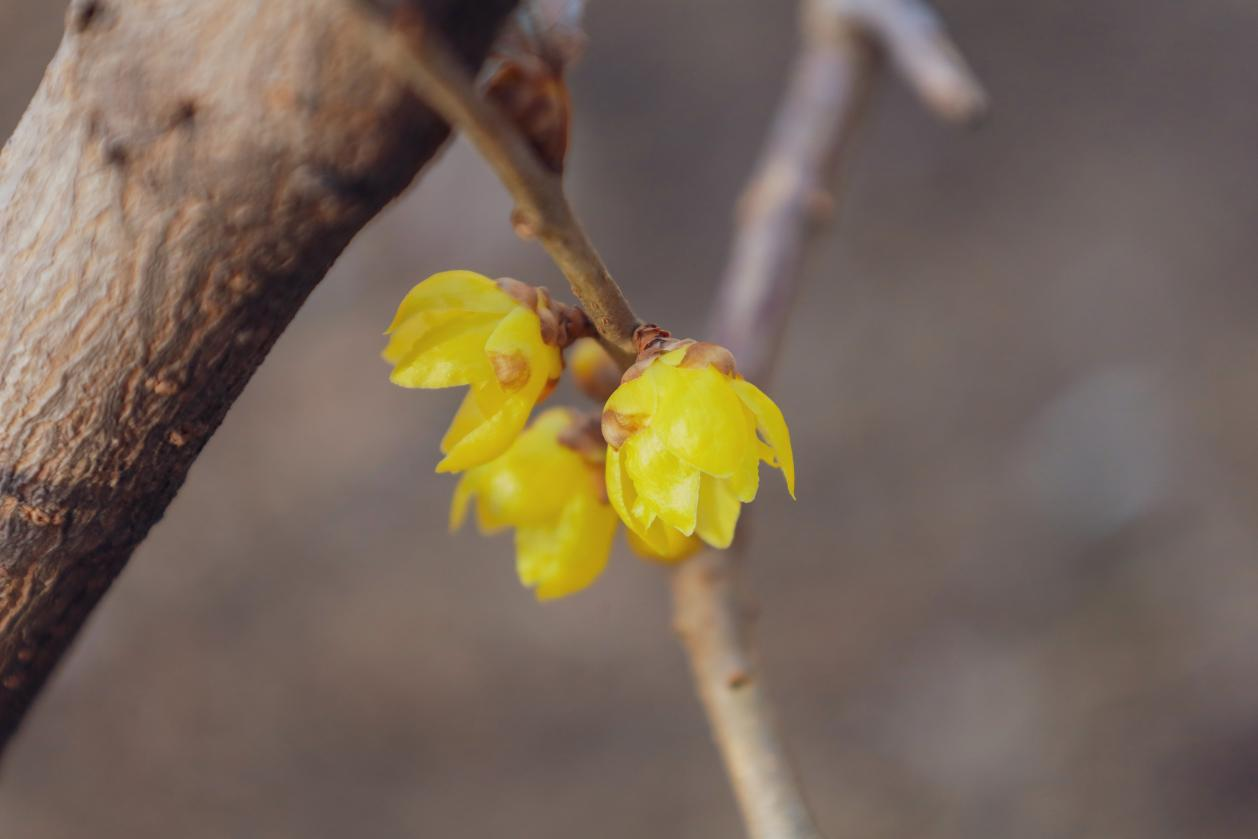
787 198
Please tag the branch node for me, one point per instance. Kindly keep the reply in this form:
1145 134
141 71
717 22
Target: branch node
525 224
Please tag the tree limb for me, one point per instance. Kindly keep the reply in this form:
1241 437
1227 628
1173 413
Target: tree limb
787 197
185 175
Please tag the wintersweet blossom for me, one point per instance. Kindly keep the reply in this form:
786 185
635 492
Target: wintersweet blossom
551 491
686 435
461 328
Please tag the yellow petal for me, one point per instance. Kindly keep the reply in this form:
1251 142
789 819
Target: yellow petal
568 555
667 545
489 439
452 290
745 482
634 398
649 536
620 490
518 353
624 499
669 485
701 419
489 396
674 357
772 426
467 417
448 355
643 512
718 512
411 331
629 409
458 505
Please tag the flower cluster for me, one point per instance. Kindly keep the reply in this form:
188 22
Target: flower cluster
674 455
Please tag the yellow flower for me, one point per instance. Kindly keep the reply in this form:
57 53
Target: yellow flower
686 434
553 497
460 328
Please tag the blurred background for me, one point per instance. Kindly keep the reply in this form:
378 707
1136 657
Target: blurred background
1017 597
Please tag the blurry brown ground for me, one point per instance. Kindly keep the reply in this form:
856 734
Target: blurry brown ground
1017 597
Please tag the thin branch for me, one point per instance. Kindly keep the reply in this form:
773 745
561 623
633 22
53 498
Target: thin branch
542 211
786 199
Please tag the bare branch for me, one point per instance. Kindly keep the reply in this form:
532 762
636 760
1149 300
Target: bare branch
920 49
542 209
787 197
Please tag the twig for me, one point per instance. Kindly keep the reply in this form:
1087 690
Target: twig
786 199
542 211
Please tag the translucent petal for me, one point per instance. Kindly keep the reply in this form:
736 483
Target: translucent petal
650 537
772 426
745 482
718 512
489 396
700 418
405 336
446 356
620 490
637 515
674 357
464 291
666 545
488 518
628 409
489 439
634 398
671 486
519 336
569 554
466 418
643 512
458 506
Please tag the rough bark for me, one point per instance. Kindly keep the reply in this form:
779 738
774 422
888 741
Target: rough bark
185 175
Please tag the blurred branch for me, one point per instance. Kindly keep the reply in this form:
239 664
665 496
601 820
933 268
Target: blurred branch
419 56
791 192
785 201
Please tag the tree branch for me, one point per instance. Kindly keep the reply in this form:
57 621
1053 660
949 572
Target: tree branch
542 208
782 206
184 177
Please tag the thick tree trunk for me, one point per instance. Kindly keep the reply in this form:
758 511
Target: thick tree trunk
187 172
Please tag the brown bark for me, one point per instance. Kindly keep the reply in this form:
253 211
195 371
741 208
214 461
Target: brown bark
185 175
